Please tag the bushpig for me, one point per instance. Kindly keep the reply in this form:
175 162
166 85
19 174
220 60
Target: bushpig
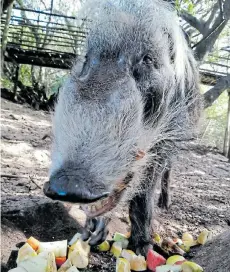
130 97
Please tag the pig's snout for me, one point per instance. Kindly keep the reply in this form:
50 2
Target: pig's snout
64 189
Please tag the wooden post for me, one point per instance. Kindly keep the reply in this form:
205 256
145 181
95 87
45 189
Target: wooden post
5 33
227 131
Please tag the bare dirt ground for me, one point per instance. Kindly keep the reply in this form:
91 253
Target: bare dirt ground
201 190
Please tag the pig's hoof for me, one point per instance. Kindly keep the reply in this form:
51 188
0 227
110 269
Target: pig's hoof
95 231
140 248
143 250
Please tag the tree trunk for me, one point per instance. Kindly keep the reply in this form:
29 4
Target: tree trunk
5 33
15 79
215 255
227 132
211 95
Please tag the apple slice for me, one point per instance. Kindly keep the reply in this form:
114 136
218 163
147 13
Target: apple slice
191 267
154 259
175 258
167 268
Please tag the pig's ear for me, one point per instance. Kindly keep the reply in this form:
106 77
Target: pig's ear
192 88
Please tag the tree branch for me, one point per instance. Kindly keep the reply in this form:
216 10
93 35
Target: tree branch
192 20
211 95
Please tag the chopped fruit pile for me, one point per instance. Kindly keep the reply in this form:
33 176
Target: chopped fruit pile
60 256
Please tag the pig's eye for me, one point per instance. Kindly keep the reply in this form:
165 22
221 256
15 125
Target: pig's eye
147 59
150 61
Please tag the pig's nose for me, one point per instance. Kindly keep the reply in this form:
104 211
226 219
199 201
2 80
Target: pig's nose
64 190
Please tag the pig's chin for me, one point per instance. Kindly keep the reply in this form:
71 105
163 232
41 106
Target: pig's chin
105 205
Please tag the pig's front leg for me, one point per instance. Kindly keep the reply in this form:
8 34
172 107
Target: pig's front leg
95 230
140 213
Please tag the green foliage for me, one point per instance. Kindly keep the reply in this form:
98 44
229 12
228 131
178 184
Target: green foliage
185 5
6 83
25 74
214 123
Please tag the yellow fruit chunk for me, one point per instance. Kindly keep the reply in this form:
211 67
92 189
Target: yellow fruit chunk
128 254
79 258
25 252
66 265
157 238
191 267
187 237
59 248
81 245
204 236
186 246
78 254
34 243
138 263
105 246
51 263
174 259
122 265
116 249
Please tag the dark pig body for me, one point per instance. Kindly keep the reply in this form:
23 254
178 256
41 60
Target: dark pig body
128 101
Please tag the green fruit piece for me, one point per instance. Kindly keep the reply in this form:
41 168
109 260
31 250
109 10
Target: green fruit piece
191 267
174 259
117 237
105 246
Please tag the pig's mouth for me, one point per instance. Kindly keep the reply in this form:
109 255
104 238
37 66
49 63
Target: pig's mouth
107 204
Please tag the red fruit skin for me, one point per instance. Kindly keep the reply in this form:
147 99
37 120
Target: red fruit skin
154 259
60 261
180 262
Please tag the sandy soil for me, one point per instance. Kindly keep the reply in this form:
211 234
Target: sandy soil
201 190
